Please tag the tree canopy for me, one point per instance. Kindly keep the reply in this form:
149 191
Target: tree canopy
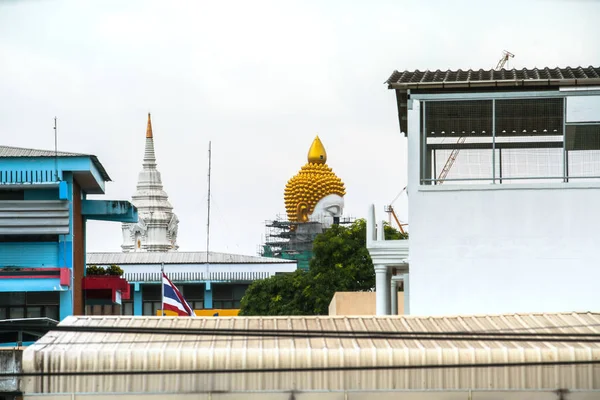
340 262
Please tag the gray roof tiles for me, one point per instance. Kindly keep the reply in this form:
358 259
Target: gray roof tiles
568 76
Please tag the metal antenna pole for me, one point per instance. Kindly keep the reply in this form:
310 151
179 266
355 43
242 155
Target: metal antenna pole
55 151
162 289
208 217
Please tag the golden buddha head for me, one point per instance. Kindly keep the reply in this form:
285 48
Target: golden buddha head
315 193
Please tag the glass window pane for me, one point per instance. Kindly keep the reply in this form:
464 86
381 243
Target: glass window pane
5 298
197 305
239 291
52 312
34 312
17 312
225 305
12 298
2 312
128 308
147 308
42 298
151 292
193 292
222 291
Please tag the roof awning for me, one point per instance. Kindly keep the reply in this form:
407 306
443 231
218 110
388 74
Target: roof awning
117 354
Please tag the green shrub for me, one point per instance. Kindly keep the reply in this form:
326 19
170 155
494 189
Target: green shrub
114 270
95 270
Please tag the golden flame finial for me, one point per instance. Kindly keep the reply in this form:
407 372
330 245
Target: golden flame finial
317 153
149 128
314 181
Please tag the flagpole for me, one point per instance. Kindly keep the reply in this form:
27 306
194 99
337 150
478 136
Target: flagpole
162 289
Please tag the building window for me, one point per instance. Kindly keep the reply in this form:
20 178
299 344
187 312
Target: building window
510 140
151 299
127 305
453 127
227 296
15 305
103 309
194 294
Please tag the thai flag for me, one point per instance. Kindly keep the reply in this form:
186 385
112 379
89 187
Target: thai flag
173 300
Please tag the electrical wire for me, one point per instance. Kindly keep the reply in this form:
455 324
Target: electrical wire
300 370
302 332
328 334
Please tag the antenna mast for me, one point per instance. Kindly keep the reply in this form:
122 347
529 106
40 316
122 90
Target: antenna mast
55 151
208 217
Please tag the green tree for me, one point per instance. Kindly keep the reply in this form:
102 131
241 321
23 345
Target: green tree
340 262
277 295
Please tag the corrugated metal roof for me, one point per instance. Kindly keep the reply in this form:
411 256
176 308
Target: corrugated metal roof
9 151
178 257
215 276
576 76
60 351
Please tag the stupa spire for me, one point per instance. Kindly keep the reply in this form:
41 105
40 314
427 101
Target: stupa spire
149 155
149 127
156 229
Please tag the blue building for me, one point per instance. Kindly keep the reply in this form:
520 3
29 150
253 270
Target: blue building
43 214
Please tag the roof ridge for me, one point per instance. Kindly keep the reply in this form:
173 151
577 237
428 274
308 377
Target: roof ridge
44 150
554 76
325 317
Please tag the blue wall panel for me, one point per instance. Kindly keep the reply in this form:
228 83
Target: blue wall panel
32 255
66 304
208 300
31 285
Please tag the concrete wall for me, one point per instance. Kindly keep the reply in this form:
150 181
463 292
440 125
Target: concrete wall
358 303
501 248
10 362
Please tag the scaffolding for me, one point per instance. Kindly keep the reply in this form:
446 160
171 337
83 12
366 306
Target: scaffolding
293 240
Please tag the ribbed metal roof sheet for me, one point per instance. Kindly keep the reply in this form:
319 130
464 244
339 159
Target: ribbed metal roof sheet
569 76
9 151
179 257
60 351
214 276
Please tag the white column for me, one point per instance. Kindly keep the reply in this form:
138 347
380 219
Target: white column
394 296
381 230
382 288
406 295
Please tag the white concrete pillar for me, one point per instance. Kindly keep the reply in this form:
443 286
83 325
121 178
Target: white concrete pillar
388 300
382 288
406 295
371 224
381 231
394 296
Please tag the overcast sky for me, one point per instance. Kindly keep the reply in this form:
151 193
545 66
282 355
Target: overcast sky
259 79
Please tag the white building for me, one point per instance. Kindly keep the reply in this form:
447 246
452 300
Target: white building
503 182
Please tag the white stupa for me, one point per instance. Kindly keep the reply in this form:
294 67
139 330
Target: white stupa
156 229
